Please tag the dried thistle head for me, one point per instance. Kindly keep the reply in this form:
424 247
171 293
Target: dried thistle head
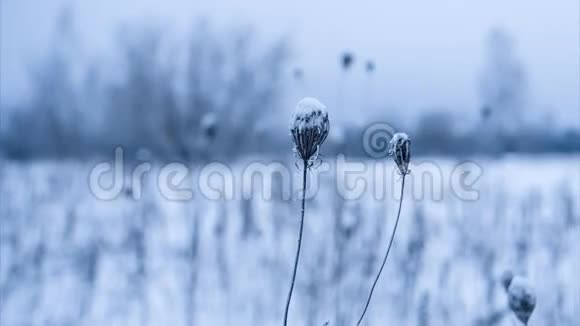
400 149
521 298
309 128
347 60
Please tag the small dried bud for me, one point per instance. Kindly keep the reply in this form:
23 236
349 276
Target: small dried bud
370 66
209 125
347 60
521 298
298 74
400 149
506 279
309 128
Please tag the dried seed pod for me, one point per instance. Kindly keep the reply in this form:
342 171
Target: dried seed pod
309 128
347 60
400 149
521 298
506 279
209 125
298 73
370 66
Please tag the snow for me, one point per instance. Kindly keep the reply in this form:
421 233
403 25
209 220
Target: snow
69 258
399 138
310 113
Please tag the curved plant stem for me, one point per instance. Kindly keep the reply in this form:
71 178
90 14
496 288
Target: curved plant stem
386 255
299 244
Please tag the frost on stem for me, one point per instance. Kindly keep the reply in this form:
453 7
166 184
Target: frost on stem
400 149
521 296
309 128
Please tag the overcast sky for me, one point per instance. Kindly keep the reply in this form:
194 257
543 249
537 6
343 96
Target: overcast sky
428 53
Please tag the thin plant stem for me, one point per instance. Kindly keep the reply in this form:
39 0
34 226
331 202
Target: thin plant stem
386 255
299 244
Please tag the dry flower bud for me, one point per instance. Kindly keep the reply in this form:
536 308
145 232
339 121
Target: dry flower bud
347 60
506 279
209 125
370 66
521 298
309 128
400 149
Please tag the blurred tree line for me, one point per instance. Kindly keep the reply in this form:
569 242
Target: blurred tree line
218 94
503 123
180 101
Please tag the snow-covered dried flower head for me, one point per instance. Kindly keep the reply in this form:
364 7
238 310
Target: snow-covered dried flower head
400 149
309 128
521 298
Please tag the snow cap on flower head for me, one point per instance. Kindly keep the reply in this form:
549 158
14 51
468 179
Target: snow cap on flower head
309 127
400 149
521 298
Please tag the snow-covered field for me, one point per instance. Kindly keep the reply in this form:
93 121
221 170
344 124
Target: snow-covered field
68 258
